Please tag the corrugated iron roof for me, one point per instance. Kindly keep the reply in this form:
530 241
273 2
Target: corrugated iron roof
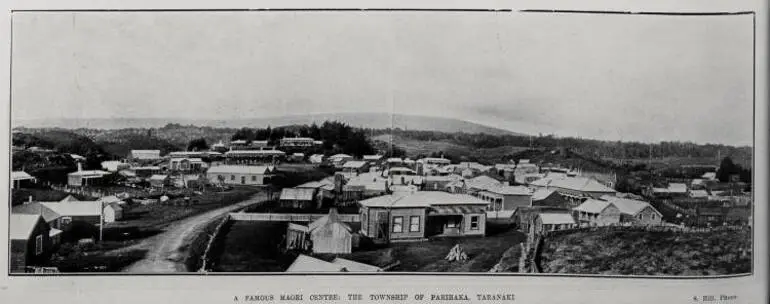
22 225
593 206
297 194
556 218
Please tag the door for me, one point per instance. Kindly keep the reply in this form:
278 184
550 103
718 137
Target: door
383 225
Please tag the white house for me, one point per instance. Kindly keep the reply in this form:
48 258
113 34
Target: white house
240 175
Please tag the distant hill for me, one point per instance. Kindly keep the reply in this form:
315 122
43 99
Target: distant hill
366 120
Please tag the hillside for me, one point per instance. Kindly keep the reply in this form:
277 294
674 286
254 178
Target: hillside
649 253
365 120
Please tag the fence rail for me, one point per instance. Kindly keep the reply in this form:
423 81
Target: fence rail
289 217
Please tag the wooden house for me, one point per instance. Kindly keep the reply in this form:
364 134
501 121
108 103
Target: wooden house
81 178
505 198
30 243
594 212
635 212
112 212
51 218
355 167
240 175
83 214
552 221
548 198
299 198
416 216
21 179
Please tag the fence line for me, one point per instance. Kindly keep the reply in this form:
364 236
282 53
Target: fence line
651 228
289 217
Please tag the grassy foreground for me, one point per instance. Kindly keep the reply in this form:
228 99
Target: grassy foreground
648 253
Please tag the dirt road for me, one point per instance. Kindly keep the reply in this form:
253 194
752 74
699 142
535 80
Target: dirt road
166 251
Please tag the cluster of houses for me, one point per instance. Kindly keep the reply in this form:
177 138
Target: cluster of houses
401 201
37 228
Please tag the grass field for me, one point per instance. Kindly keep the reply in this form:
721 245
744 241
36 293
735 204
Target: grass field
160 214
419 147
648 253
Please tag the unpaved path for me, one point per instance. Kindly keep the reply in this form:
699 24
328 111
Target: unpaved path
166 251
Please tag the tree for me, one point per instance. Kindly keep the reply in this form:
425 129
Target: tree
198 144
727 168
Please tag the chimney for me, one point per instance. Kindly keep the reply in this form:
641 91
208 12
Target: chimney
80 167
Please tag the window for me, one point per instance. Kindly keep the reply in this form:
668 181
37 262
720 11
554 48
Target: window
398 224
232 177
414 224
475 222
38 244
451 223
253 178
66 220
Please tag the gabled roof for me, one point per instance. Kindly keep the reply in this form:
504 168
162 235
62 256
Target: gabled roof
354 164
110 199
593 206
315 184
69 198
36 209
508 190
300 194
556 218
22 225
353 266
89 173
88 208
421 199
330 219
21 175
583 184
305 263
241 169
158 177
340 156
627 205
482 182
372 157
541 194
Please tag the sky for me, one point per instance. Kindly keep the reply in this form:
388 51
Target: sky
614 77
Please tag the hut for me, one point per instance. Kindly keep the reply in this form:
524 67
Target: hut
112 212
329 234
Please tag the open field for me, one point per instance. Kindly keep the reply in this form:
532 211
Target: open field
160 214
648 253
414 147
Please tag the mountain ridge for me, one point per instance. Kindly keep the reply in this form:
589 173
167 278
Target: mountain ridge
366 120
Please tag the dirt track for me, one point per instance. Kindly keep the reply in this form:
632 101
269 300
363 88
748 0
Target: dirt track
167 250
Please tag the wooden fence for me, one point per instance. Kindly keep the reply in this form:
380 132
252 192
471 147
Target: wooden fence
289 217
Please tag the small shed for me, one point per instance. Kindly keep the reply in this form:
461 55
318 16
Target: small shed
300 198
329 234
296 237
159 181
113 212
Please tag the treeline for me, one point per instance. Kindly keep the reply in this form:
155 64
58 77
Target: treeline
587 147
337 137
